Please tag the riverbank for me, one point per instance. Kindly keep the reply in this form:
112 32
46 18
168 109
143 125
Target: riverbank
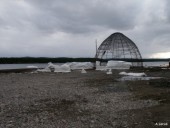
83 100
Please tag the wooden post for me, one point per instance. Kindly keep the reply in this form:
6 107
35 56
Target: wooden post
96 49
96 53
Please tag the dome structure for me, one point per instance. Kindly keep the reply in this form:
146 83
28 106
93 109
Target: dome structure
119 47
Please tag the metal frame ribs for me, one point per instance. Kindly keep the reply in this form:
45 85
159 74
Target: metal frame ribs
118 46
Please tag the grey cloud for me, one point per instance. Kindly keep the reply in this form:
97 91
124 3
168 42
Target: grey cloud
83 16
74 16
70 27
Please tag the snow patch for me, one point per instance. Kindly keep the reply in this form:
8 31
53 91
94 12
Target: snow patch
32 66
133 74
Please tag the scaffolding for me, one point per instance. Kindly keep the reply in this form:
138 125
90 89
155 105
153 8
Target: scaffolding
119 47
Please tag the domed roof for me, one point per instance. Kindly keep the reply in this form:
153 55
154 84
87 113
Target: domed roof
118 46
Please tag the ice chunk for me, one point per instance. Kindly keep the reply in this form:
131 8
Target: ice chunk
113 65
109 72
123 73
44 70
101 68
62 68
50 65
164 65
97 63
55 68
83 71
81 65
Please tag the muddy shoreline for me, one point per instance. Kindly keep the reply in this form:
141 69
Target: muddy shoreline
83 100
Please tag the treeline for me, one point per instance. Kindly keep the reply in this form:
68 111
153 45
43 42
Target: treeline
22 60
143 60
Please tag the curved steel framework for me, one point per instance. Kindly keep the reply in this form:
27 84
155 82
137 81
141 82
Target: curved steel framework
118 46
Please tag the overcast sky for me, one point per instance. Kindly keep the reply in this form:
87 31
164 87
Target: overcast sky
69 28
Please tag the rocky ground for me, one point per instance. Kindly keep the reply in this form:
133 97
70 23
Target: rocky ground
75 100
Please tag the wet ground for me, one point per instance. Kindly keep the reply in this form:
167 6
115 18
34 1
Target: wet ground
75 100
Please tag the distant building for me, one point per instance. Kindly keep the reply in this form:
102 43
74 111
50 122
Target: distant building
119 47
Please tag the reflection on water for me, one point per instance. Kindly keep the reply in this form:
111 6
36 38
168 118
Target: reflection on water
135 78
19 66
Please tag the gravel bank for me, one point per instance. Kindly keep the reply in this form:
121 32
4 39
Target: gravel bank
71 100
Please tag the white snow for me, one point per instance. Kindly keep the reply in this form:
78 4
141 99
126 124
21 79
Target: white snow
32 66
133 74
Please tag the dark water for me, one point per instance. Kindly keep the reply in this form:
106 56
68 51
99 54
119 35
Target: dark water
43 65
17 66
